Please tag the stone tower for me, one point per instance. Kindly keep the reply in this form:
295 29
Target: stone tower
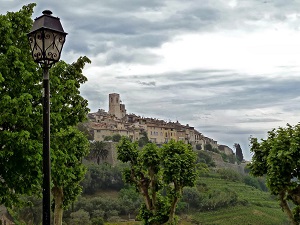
115 107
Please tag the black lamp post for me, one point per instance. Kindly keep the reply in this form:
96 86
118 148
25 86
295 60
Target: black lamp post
46 38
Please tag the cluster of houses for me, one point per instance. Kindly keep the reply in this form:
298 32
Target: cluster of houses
117 121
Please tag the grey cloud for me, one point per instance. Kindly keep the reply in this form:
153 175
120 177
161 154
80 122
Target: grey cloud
151 83
130 56
259 120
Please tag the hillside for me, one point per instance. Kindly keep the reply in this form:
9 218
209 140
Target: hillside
253 207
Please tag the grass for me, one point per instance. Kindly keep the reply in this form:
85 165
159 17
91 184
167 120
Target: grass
241 215
256 207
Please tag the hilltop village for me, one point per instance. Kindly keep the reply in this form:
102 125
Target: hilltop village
117 121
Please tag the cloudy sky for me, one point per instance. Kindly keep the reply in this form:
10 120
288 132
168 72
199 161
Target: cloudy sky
230 68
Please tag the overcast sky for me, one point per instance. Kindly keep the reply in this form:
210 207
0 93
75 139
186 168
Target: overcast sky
230 68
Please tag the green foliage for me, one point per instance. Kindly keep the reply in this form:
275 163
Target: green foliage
97 221
278 157
232 158
193 197
229 174
129 197
199 146
153 170
102 177
251 181
21 115
21 110
69 147
116 137
83 127
105 207
80 217
29 213
107 138
144 139
98 151
238 152
206 158
208 147
228 158
68 107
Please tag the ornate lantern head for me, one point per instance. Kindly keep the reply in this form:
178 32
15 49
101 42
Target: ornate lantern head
46 38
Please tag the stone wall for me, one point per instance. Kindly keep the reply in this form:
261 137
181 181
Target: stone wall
221 164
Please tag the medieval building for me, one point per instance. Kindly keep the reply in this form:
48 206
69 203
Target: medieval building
117 121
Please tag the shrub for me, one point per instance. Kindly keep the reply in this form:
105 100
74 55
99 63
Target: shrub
206 158
97 221
229 174
80 217
251 181
198 146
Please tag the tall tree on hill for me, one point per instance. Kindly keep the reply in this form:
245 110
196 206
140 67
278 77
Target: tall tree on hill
277 158
153 170
20 110
238 152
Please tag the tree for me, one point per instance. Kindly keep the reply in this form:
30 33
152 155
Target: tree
144 139
21 110
277 158
99 151
179 163
238 152
102 177
21 116
116 137
206 158
108 138
68 145
208 147
199 146
155 170
83 127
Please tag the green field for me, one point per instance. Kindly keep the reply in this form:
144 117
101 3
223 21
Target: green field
247 215
255 208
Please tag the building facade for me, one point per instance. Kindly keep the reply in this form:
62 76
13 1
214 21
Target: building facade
116 121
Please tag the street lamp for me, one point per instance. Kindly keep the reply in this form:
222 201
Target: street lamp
46 38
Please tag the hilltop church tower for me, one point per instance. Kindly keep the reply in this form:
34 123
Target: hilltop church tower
116 107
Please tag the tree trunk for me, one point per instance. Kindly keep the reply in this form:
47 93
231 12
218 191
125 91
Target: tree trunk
58 207
153 188
172 211
286 208
146 196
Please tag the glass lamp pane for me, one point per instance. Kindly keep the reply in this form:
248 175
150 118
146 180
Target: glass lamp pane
53 45
36 44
